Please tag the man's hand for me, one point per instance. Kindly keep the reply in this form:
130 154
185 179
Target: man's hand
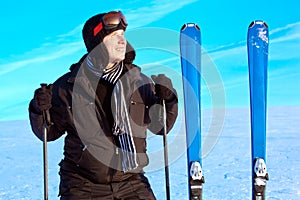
43 97
163 86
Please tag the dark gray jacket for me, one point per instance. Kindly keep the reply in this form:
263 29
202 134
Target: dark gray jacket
90 148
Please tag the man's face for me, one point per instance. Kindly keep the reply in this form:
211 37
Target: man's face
116 46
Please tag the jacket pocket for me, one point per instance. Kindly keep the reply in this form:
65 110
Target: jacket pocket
137 112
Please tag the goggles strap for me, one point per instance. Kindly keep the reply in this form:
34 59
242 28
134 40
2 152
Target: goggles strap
98 28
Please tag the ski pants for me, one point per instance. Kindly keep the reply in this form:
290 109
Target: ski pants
75 187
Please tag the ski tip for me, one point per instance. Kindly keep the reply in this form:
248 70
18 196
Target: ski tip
183 27
190 25
258 22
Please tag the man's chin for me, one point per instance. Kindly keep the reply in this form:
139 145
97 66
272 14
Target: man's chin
119 59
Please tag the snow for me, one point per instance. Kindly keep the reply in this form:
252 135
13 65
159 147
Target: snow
226 167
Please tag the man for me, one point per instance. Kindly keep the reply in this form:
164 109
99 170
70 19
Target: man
105 105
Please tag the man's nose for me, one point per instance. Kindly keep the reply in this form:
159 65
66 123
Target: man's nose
122 39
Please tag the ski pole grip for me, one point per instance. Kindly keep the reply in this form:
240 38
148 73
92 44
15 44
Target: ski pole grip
46 113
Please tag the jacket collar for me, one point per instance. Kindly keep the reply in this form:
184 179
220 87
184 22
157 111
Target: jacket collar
74 68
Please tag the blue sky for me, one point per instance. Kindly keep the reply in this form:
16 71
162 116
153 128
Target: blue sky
41 39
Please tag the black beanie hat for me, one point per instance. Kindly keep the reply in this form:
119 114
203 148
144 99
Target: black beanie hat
92 41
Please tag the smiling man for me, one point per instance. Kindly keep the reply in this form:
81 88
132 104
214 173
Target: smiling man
116 46
105 104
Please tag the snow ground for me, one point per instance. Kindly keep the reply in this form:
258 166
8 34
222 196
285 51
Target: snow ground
226 167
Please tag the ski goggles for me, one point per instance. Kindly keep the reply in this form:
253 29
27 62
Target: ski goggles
111 20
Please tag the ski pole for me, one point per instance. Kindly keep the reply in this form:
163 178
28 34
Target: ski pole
46 121
166 150
45 157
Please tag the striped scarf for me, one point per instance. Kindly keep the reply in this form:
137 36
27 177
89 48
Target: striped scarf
113 74
121 128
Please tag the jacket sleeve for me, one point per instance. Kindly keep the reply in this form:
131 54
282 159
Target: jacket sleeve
156 114
54 131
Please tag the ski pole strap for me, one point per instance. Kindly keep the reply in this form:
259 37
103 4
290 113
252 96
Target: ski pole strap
46 118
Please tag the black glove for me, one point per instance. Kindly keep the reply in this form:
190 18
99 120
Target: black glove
163 86
42 97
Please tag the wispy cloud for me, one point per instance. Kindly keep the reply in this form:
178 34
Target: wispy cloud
62 45
73 33
284 40
153 11
231 59
284 59
39 55
68 43
284 44
286 27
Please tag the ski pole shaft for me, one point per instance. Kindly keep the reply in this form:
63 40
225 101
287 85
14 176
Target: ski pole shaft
45 153
46 121
166 151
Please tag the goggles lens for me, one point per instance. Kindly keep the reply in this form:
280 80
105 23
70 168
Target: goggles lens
114 18
111 20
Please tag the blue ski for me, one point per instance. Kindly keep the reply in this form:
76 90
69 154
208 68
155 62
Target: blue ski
190 49
258 42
